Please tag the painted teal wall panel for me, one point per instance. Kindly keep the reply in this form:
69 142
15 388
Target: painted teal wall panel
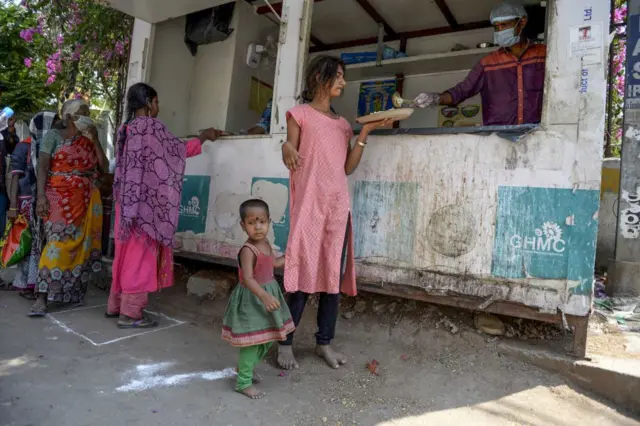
194 204
547 233
384 219
280 227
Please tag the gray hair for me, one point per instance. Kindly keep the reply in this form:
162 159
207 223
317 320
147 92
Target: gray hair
71 107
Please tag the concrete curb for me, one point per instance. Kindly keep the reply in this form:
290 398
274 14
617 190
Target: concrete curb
617 380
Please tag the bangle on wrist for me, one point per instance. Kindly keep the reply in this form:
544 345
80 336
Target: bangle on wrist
362 144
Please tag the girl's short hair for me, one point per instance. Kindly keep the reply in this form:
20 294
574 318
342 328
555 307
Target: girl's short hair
253 204
321 71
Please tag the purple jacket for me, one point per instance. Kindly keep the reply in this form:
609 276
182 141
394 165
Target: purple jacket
511 89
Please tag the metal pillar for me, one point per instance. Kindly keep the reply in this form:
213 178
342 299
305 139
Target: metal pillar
624 271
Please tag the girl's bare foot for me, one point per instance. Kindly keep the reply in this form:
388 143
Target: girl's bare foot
286 360
331 357
251 392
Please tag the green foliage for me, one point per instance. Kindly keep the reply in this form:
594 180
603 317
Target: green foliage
74 48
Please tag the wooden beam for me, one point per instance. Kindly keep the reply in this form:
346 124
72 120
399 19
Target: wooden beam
446 12
373 13
400 36
317 42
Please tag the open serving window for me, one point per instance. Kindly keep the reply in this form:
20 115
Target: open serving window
410 46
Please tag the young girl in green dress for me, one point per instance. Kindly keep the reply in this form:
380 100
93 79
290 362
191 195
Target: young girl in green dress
257 314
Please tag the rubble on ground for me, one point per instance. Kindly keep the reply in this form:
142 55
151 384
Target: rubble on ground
613 314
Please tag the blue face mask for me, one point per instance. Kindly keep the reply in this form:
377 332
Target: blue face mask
506 38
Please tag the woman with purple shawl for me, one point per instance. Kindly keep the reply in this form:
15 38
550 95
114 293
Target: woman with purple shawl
147 188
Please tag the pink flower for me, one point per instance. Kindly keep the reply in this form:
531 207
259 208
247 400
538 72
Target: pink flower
77 96
27 62
119 48
107 74
51 80
27 35
60 39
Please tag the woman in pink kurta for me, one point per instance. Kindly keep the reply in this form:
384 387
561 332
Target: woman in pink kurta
319 156
150 165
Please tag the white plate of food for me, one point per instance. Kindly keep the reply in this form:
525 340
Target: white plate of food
395 114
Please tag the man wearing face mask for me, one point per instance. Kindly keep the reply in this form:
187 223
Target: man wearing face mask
509 80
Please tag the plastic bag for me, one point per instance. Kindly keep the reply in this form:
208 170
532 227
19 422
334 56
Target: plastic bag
16 244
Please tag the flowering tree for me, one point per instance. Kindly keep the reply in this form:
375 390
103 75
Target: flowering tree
616 88
72 48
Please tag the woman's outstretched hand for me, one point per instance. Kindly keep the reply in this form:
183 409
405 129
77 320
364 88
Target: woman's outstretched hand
290 157
210 134
370 127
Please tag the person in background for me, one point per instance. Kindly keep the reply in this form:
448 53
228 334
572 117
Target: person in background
7 145
510 80
150 162
22 190
69 203
263 126
319 156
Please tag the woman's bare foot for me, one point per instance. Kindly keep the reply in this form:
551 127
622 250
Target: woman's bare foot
251 392
332 358
286 360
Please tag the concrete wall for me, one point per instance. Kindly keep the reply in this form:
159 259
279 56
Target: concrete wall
458 214
171 74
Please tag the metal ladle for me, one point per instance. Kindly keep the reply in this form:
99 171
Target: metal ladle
398 102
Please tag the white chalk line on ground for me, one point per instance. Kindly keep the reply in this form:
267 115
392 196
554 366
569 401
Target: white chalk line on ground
147 377
79 308
119 339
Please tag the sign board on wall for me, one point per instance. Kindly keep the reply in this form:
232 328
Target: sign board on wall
375 96
194 204
632 75
460 116
547 233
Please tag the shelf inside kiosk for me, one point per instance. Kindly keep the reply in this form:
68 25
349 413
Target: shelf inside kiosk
410 47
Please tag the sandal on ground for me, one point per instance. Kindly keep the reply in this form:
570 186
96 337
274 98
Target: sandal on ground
38 313
141 323
108 315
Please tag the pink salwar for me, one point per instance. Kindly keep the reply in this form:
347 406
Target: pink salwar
140 265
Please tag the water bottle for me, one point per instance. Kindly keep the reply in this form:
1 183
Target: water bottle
5 115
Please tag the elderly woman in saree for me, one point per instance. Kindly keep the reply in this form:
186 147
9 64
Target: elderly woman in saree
68 201
22 199
147 189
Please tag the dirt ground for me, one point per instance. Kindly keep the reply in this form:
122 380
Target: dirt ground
428 372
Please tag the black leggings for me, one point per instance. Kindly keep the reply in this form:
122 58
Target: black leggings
327 315
327 309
